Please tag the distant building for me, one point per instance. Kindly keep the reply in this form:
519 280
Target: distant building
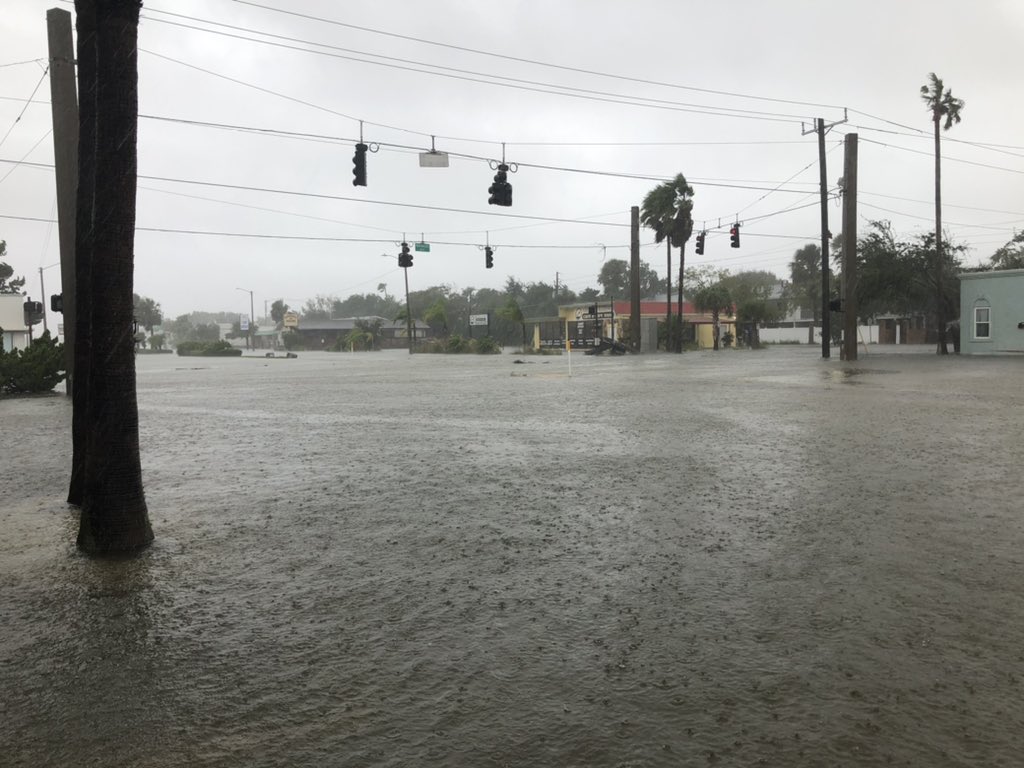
992 312
328 334
12 321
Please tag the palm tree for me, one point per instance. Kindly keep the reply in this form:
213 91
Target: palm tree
945 109
667 210
114 517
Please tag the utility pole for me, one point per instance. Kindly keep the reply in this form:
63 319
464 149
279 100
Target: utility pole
634 278
850 248
826 321
556 287
249 340
64 113
42 289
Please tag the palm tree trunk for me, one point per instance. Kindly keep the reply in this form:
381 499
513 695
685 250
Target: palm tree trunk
668 296
940 309
85 22
114 515
679 304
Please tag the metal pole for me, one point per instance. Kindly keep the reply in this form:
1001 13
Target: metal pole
408 310
634 275
42 289
64 112
826 322
252 320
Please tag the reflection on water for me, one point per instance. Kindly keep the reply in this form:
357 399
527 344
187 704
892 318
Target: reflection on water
643 565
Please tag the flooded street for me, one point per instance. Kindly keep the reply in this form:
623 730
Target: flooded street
742 558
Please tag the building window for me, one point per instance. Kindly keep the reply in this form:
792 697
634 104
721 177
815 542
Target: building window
982 323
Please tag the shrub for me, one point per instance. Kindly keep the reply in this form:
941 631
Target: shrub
208 349
39 368
486 346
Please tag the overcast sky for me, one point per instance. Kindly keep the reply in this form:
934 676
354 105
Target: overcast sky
761 67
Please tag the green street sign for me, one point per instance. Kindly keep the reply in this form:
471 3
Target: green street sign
423 247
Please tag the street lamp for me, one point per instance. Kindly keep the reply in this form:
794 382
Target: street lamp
252 315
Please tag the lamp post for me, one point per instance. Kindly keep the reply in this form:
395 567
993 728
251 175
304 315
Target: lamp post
249 342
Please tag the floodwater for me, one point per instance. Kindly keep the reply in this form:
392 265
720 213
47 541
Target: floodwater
734 559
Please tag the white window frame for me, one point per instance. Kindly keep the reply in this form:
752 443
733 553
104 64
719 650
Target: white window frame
974 329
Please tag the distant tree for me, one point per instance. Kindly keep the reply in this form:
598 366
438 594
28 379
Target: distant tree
705 275
588 294
277 310
714 299
436 317
945 110
754 294
7 285
364 335
805 283
366 305
614 278
514 314
147 312
156 341
319 308
513 287
207 332
668 211
1011 255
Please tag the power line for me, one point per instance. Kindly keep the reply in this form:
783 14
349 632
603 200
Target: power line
27 102
19 63
468 75
479 158
951 159
535 62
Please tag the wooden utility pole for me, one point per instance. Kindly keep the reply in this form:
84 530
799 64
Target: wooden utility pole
826 322
634 278
64 110
850 248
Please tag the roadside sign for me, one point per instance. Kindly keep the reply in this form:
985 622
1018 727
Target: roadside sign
243 322
478 319
423 247
291 319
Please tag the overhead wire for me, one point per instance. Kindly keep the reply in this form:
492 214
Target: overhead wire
27 102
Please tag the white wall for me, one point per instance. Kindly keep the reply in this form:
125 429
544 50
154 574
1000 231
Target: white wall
12 320
867 333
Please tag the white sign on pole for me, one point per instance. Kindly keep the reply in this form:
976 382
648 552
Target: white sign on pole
243 322
478 319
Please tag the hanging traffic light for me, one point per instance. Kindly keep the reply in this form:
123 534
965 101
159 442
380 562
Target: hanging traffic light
700 243
734 235
488 257
359 166
57 302
405 257
500 190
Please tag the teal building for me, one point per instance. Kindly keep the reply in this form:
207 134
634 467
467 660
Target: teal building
992 312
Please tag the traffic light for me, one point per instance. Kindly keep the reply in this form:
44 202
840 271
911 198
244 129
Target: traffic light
734 235
57 302
359 166
488 257
405 257
700 243
500 190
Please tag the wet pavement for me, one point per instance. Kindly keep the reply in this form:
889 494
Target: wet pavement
734 558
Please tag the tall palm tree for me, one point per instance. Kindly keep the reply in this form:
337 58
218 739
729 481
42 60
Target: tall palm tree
114 517
946 110
667 210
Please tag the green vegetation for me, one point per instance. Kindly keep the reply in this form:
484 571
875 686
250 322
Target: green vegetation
34 370
457 345
208 349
